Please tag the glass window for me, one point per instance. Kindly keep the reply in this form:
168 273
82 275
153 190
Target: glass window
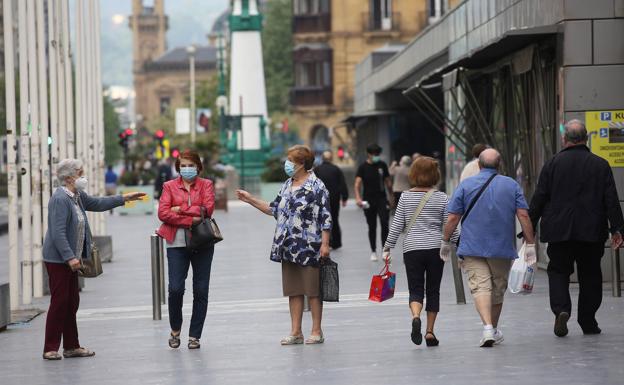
313 74
165 103
310 7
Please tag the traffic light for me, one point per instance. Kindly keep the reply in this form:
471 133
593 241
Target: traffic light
160 135
175 153
340 153
124 137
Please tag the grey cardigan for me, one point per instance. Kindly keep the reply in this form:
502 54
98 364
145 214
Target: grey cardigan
59 245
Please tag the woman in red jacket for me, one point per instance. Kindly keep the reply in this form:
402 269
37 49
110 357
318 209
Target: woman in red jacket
181 203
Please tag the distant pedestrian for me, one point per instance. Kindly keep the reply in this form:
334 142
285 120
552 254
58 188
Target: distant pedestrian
400 176
421 246
577 202
374 178
301 239
415 155
472 168
183 202
334 180
67 241
490 204
110 181
164 175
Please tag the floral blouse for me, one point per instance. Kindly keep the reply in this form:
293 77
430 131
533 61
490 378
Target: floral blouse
302 215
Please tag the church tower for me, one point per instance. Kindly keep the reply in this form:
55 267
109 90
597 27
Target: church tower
149 28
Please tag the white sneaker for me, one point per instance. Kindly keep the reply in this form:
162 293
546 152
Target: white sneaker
488 338
498 337
374 257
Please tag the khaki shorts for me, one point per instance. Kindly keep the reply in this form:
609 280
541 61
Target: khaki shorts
488 276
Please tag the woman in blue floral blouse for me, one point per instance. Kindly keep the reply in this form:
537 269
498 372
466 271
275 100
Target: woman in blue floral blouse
301 238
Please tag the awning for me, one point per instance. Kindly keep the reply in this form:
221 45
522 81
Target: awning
366 114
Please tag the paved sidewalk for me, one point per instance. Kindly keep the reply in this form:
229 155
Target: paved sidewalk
366 343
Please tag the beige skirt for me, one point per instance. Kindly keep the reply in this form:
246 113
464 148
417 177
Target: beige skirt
300 280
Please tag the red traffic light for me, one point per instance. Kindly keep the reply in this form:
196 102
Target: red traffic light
129 132
175 153
340 153
160 134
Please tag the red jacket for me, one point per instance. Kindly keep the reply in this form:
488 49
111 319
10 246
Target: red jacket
175 194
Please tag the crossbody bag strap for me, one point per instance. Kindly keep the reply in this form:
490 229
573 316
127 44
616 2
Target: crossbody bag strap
421 205
476 198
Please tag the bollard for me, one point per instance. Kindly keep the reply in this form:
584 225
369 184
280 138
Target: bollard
156 305
459 281
161 253
306 303
615 273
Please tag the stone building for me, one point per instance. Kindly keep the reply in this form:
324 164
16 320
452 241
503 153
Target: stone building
330 38
161 76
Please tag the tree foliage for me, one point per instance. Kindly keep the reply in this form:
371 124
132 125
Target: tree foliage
277 52
112 150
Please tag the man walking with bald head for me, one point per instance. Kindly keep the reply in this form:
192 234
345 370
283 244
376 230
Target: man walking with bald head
578 205
487 205
333 178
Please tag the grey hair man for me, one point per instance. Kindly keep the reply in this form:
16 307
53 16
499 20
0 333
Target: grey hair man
578 205
487 205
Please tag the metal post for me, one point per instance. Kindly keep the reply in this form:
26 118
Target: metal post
458 279
156 302
161 253
306 303
11 121
191 51
615 273
25 156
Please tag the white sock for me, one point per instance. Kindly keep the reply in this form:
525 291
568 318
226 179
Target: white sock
488 327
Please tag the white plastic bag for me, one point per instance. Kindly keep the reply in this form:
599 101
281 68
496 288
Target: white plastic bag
521 276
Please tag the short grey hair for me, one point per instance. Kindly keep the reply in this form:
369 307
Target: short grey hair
575 132
490 158
67 168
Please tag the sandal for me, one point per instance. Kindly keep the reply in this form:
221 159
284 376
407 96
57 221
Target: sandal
52 356
416 333
193 343
78 353
292 340
431 341
313 340
174 341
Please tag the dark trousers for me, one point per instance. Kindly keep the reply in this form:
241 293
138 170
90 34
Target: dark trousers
179 259
336 235
587 256
379 209
424 270
64 301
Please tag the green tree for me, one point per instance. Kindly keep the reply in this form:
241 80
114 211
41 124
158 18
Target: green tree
277 52
112 150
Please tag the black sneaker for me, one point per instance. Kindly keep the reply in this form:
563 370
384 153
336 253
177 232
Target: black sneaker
561 324
590 331
416 333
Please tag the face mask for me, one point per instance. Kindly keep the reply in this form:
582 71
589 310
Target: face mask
376 158
289 168
81 183
188 173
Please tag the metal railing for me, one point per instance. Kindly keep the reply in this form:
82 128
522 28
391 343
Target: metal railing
158 276
616 279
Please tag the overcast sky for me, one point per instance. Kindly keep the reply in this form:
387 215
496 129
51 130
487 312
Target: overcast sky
189 22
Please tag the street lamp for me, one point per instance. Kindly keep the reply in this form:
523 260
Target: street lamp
191 50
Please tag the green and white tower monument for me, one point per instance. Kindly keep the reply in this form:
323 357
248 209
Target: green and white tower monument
248 141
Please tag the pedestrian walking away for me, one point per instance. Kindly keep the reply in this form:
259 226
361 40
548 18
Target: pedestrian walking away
334 180
67 241
489 204
421 214
301 239
577 202
400 176
374 178
183 202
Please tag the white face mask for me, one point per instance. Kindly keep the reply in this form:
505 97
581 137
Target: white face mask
81 183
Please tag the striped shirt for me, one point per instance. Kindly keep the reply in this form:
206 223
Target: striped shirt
426 233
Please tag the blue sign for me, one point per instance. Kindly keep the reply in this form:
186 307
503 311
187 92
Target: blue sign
605 116
604 132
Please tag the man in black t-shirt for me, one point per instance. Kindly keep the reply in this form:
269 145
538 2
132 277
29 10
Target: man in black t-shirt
374 177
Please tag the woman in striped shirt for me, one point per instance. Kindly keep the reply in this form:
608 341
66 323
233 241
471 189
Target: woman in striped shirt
421 244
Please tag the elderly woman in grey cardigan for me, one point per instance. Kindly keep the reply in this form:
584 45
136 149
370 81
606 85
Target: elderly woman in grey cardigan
67 241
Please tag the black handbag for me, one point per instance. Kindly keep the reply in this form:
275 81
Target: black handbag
329 280
204 234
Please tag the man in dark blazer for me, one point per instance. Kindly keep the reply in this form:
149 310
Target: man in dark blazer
578 204
334 180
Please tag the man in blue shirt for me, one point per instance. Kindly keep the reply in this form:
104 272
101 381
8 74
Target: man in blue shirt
487 242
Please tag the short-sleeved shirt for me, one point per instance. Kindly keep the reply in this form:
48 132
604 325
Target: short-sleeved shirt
489 230
302 215
373 179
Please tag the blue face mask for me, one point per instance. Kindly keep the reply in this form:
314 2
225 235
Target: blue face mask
289 168
376 158
188 173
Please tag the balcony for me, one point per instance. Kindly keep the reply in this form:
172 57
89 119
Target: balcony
377 24
311 96
311 23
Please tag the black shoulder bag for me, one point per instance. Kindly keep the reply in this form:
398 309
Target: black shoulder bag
204 234
474 201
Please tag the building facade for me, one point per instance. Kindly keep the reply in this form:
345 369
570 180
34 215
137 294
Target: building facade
161 76
330 38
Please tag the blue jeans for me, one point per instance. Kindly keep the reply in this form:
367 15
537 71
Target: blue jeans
179 259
